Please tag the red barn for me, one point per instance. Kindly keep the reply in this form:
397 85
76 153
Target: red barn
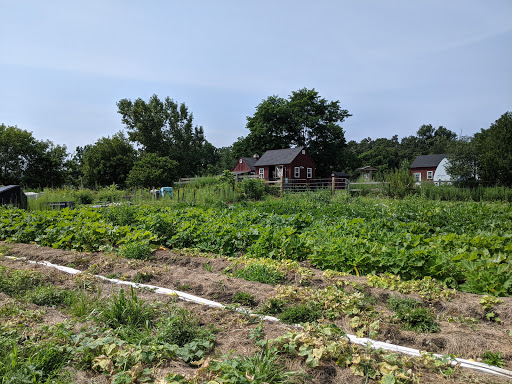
245 165
424 167
291 163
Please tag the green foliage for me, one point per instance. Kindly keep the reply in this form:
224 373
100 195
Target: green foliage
488 304
165 129
300 313
400 184
244 298
110 194
304 119
179 327
414 316
30 162
493 358
253 189
126 310
263 367
152 171
17 282
495 151
466 246
135 250
41 363
108 161
261 273
84 196
47 295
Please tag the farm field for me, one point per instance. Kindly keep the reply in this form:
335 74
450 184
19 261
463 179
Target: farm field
332 264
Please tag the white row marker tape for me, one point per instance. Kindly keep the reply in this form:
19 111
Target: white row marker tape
482 367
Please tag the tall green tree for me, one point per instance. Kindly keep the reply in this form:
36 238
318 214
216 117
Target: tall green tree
304 119
27 161
464 160
152 171
494 146
166 128
108 161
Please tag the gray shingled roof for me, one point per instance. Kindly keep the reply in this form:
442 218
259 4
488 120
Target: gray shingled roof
250 161
278 157
426 161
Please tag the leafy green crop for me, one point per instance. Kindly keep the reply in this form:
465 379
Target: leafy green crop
466 245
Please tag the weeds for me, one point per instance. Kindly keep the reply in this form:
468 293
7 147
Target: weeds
260 273
413 315
126 310
47 295
244 298
135 250
493 358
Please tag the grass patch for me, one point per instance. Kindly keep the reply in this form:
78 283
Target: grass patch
413 315
127 310
260 273
17 282
244 298
47 295
300 313
263 367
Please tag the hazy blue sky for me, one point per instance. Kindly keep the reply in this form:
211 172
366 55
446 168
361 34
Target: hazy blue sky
393 64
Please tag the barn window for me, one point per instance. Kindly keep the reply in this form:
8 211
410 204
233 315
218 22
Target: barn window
262 173
417 176
310 173
240 161
430 175
296 172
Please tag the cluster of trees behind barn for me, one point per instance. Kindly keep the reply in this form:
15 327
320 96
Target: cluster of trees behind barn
161 143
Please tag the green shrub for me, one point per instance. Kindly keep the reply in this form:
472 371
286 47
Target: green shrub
142 277
253 189
135 250
414 316
84 196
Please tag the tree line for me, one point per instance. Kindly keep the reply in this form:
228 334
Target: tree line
161 143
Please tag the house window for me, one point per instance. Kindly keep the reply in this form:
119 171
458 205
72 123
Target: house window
296 172
262 173
430 175
240 161
417 176
310 173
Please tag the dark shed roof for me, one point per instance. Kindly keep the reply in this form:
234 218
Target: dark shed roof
340 174
426 161
278 156
250 161
12 194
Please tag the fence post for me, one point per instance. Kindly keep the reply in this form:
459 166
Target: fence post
282 185
333 179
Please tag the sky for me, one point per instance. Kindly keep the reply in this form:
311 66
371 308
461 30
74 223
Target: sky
394 64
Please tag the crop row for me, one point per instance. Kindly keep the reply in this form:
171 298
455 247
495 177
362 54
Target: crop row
466 245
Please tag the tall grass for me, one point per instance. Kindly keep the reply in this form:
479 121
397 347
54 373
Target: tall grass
454 193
